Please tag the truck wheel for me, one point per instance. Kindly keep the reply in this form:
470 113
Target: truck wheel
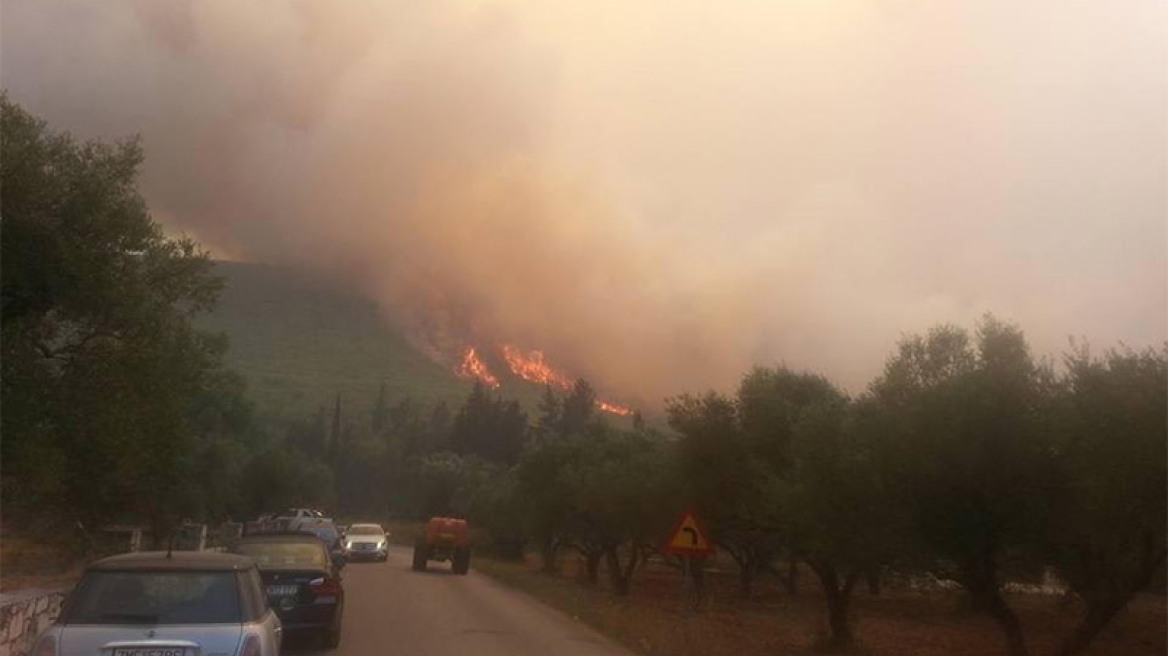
461 560
420 555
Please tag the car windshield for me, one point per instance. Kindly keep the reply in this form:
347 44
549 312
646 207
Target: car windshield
283 554
155 598
366 529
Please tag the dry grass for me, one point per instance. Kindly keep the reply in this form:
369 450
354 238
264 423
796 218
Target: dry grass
655 618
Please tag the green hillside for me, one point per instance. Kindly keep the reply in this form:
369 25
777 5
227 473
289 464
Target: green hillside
298 340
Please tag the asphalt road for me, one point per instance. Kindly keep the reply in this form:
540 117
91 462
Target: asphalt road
390 609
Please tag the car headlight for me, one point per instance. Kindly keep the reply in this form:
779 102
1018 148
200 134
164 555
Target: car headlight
348 545
381 545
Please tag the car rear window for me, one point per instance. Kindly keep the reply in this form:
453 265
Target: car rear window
284 554
143 597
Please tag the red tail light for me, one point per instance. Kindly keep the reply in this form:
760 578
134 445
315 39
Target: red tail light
324 586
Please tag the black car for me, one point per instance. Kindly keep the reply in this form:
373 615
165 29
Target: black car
303 581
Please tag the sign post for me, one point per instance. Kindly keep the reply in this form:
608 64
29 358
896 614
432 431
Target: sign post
690 541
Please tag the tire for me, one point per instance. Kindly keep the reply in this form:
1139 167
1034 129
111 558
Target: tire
420 555
461 561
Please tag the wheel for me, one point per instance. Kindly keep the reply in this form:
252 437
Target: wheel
461 561
420 555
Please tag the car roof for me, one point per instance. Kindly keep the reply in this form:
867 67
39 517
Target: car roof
176 561
376 526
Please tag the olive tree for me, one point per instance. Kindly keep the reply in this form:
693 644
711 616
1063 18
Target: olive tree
102 369
965 445
1111 437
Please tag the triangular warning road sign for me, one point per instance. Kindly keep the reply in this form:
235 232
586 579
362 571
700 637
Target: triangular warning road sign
688 537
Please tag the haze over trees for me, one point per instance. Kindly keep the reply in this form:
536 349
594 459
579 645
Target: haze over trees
967 459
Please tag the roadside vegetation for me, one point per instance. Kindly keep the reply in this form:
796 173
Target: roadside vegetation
655 619
967 460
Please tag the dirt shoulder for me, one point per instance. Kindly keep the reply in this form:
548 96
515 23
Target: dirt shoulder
654 619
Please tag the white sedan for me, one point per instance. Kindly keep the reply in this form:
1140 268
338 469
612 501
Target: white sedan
366 541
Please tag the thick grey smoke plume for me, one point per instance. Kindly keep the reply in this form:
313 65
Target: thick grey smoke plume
658 195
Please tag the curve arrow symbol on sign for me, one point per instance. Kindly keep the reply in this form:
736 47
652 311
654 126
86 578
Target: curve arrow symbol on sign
689 537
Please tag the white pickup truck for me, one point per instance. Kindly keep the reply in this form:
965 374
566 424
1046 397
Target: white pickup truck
301 519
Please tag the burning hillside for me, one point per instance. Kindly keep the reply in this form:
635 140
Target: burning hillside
530 366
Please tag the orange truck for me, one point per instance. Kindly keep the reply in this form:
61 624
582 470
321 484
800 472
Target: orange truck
446 538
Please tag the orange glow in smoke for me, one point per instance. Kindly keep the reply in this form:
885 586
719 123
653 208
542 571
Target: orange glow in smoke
473 367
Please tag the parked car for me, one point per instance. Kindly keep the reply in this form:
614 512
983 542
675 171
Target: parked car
302 580
366 542
301 519
166 604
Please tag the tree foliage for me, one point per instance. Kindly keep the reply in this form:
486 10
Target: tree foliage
783 468
1108 540
109 393
489 426
967 450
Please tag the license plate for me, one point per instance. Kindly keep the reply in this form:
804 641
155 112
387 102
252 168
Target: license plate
281 590
149 651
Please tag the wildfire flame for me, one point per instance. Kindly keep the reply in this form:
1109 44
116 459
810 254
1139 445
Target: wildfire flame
532 367
614 408
473 367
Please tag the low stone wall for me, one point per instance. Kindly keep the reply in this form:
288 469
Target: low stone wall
23 615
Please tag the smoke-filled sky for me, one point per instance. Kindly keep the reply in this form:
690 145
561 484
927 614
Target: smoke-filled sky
657 194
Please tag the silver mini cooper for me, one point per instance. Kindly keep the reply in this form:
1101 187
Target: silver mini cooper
185 603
